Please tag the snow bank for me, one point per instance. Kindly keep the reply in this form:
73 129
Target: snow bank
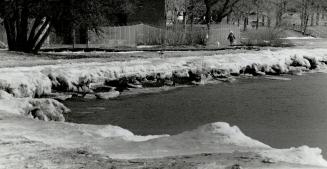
36 81
118 143
218 134
43 109
217 137
24 82
302 155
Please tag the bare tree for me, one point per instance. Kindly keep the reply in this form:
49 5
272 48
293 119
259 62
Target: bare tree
29 22
281 8
305 14
221 9
242 10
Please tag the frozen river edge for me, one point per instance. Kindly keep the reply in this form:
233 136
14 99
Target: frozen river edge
24 138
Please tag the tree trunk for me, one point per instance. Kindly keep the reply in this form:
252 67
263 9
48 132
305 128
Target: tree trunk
208 20
83 34
318 16
245 23
257 24
257 8
36 24
263 20
278 19
43 37
10 34
312 19
323 15
305 25
192 14
238 21
22 29
17 33
305 16
37 36
228 19
302 15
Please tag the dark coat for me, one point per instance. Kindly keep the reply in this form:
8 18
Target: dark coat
231 37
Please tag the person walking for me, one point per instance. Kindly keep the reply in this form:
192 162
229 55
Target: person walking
231 37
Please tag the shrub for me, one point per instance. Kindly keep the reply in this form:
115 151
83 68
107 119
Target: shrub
189 38
173 37
265 37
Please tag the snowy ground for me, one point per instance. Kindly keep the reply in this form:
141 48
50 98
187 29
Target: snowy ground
29 143
14 59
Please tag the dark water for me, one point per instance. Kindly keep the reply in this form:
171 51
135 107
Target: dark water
279 113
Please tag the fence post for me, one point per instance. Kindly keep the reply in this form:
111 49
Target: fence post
120 33
129 36
74 38
136 34
149 34
145 34
115 34
165 35
87 39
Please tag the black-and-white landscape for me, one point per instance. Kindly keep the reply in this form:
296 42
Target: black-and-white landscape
169 84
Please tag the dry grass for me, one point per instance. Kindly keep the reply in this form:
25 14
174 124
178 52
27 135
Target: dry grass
265 37
177 38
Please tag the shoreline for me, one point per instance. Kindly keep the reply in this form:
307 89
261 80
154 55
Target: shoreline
78 77
23 89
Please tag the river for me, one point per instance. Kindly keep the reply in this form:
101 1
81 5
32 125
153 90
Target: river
280 113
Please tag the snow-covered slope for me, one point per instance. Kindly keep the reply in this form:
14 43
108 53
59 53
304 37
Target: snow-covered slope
116 142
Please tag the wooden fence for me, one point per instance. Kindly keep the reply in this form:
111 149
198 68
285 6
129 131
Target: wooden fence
141 34
147 35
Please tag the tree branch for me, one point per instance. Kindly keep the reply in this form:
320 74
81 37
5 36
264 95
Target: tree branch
43 38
